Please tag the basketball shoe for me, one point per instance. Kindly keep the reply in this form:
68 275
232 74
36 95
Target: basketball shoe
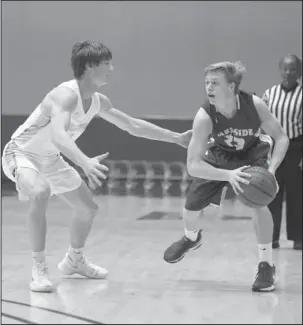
175 252
266 278
40 279
81 266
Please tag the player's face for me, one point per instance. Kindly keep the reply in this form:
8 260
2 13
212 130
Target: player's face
289 72
217 87
100 73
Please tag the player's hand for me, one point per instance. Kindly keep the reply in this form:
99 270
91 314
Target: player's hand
94 171
300 164
184 138
236 177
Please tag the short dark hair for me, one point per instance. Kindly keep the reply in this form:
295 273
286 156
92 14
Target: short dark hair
233 71
90 53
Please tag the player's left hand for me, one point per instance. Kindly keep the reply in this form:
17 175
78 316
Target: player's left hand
184 138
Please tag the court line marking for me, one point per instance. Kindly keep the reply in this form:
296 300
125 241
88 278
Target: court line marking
22 320
52 311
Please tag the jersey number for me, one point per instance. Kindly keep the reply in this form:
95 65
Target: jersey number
234 142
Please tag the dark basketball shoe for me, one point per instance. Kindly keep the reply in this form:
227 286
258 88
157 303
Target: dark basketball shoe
176 251
266 278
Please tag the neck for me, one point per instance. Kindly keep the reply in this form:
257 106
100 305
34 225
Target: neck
289 87
86 88
229 106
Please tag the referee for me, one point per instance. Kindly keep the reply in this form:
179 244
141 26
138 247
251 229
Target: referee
285 102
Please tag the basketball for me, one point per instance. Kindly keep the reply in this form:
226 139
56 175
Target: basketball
261 190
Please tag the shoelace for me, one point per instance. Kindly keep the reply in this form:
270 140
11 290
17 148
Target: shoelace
266 272
90 265
41 273
84 261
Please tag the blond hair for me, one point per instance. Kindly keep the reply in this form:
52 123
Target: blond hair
233 71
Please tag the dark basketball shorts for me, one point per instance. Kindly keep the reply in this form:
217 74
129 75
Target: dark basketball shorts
203 192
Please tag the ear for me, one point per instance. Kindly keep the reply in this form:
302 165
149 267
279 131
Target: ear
88 69
232 86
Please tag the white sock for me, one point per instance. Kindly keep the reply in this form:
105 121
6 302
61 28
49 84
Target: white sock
38 257
265 253
75 253
191 234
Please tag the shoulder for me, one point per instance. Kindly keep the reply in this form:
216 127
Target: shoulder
64 97
105 103
246 94
262 108
257 101
271 89
102 97
202 119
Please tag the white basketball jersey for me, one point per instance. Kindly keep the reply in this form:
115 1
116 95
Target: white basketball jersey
34 135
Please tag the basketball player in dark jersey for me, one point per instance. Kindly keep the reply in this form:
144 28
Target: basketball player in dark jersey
234 120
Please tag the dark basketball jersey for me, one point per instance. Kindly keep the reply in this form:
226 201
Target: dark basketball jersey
241 131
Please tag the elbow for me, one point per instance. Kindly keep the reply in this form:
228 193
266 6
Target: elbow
134 129
191 169
282 140
286 139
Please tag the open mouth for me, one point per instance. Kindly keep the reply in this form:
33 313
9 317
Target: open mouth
211 96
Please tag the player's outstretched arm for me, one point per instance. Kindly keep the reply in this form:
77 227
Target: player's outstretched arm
271 126
140 128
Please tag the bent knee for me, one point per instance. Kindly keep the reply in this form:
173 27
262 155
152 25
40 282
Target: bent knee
40 192
88 210
30 183
93 209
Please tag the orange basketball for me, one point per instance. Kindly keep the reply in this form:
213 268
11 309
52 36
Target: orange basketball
261 190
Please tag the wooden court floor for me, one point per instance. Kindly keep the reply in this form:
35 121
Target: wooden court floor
211 285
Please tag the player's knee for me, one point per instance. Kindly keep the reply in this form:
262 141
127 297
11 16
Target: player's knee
93 209
40 192
88 211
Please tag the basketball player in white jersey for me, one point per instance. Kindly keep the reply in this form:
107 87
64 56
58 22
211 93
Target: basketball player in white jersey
32 158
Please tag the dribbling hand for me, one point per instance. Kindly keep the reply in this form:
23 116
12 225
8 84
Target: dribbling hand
94 171
236 177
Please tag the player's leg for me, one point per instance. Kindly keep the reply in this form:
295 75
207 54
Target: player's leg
85 210
201 193
31 186
263 224
266 277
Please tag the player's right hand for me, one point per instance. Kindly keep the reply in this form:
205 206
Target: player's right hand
236 177
94 171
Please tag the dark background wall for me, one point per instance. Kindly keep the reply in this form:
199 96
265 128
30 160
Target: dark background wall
160 50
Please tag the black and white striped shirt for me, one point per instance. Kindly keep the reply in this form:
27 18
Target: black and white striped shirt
286 106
